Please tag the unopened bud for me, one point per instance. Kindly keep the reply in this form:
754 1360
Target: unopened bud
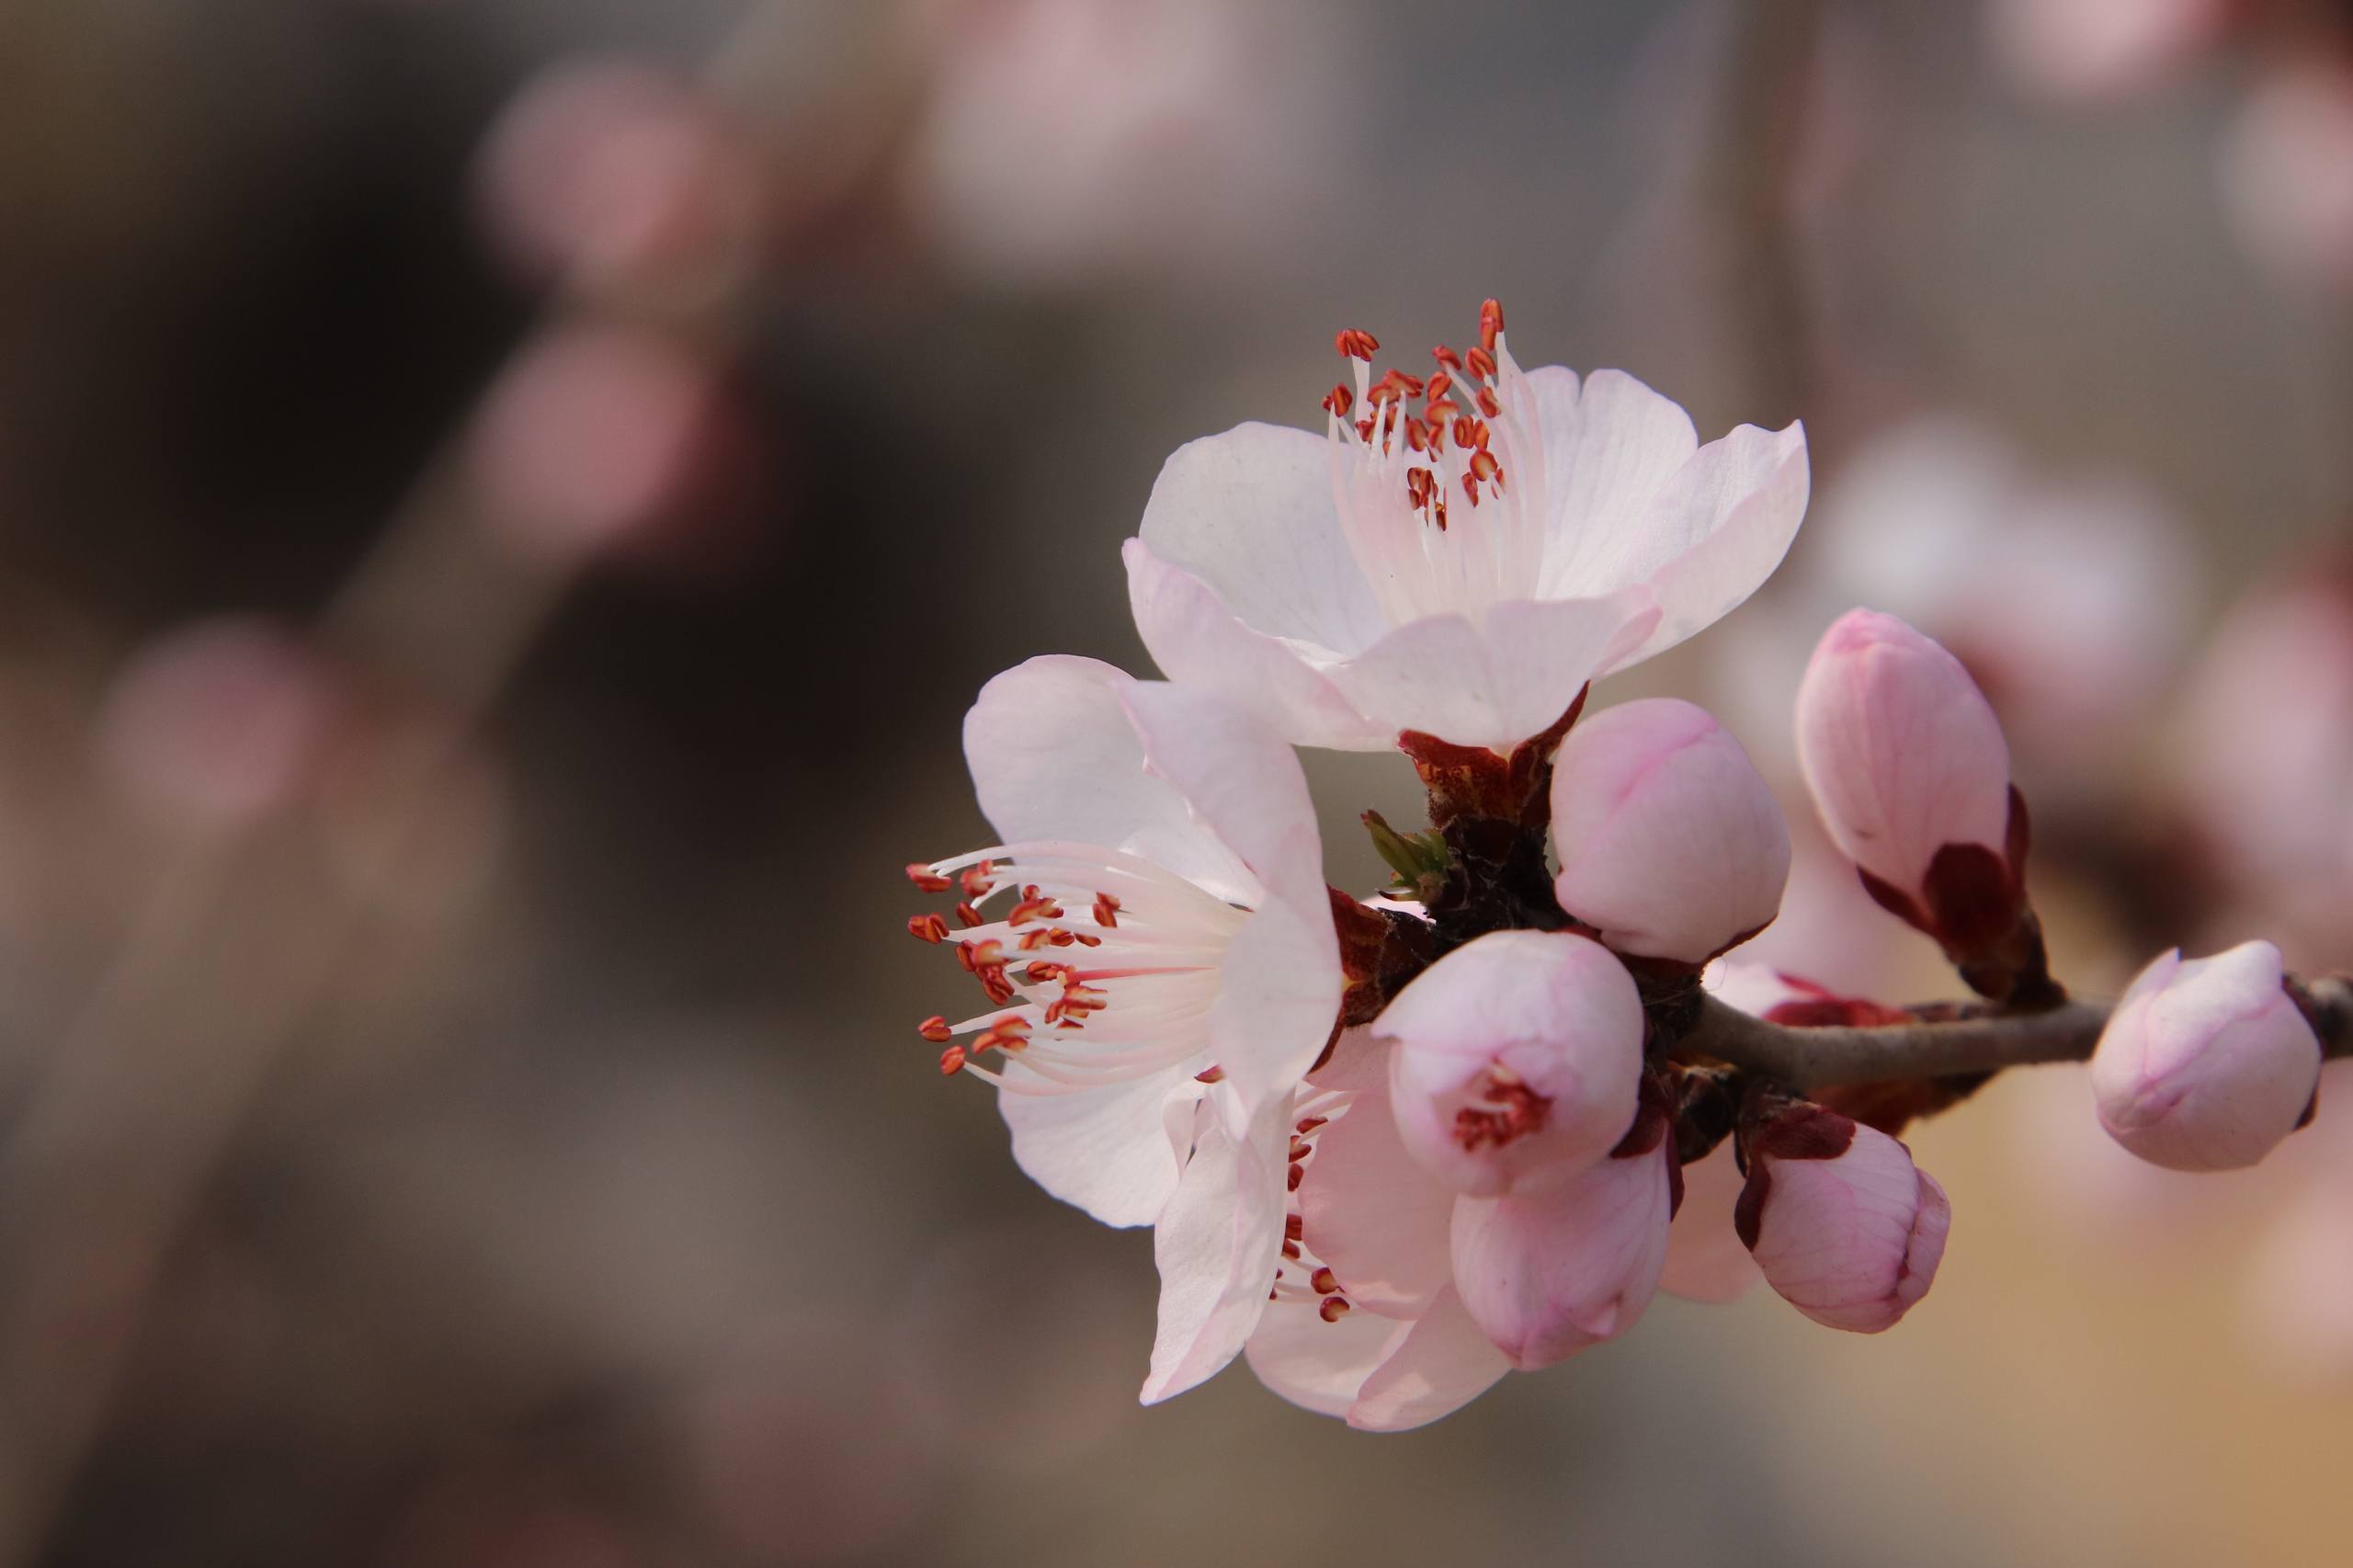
1837 1217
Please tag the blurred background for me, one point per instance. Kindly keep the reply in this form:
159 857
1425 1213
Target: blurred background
504 503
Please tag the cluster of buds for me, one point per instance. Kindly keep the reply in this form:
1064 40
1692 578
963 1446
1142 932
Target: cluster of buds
1396 1147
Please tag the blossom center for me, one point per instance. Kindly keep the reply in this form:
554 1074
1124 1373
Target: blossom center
1100 967
1442 505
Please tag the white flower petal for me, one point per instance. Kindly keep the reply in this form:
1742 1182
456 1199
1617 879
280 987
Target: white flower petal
1054 755
1250 513
1198 639
1279 997
1714 534
1316 1365
1107 1150
1217 1244
1609 449
1493 685
1441 1365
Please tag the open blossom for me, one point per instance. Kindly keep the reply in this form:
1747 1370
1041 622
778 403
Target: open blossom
1463 567
1841 1223
1516 1061
2206 1064
1671 844
1156 947
1365 1321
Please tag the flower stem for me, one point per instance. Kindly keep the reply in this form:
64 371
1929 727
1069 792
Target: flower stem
1953 1041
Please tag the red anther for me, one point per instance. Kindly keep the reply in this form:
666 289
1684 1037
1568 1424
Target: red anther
1334 1309
1483 463
1438 512
1210 1075
1483 364
1417 435
1291 1250
951 1061
1032 940
1410 385
934 1028
1466 430
967 916
1364 429
1033 908
1439 385
1294 1227
1490 324
998 988
1005 1034
1106 911
1479 433
1441 410
1489 404
1308 1124
1087 941
1355 343
930 927
1324 1282
1301 1148
1043 972
977 878
1471 486
1339 400
1418 485
1296 1172
927 879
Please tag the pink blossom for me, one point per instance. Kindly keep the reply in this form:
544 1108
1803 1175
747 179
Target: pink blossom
1365 1323
1549 1272
1671 844
1161 970
1464 570
2206 1064
1907 767
1838 1218
1516 1061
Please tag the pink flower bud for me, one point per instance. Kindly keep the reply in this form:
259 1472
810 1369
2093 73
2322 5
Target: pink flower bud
2206 1062
1840 1220
1670 843
1900 750
1516 1061
1547 1273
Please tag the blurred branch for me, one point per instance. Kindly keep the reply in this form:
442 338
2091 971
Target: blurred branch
1744 182
236 949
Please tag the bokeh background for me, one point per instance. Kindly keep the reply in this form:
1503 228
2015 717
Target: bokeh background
502 503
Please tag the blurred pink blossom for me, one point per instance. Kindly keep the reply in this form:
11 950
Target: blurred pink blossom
616 175
2287 172
1065 140
596 437
2093 48
218 724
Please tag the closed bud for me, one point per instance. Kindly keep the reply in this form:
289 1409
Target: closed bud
1517 1060
1671 844
1907 766
1547 1273
1837 1217
2206 1064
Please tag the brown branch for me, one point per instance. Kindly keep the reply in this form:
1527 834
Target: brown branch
1825 1057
